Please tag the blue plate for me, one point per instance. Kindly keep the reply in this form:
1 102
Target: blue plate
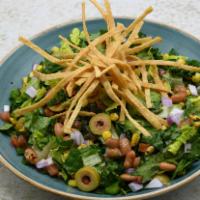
20 62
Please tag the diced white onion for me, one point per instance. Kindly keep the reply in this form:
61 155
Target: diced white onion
6 108
35 66
44 163
31 91
77 137
187 147
135 186
175 116
154 183
193 90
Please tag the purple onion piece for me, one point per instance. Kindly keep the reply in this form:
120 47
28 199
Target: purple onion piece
166 101
44 163
175 116
31 91
129 170
77 137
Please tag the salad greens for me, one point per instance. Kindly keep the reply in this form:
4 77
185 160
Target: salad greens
103 114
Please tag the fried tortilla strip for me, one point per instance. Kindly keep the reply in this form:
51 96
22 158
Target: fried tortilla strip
146 91
78 95
143 46
165 63
137 20
68 124
70 87
157 79
61 84
41 51
95 42
80 81
122 114
114 97
81 113
155 87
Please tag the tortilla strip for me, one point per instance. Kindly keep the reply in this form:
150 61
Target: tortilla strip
155 87
70 87
80 81
113 96
146 91
50 94
165 63
78 95
81 113
41 51
143 46
68 124
122 114
157 79
95 42
137 20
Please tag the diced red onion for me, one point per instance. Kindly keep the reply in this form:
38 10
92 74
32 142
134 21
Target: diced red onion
135 186
31 91
166 101
154 183
44 163
175 116
35 66
187 147
130 170
193 89
77 137
6 108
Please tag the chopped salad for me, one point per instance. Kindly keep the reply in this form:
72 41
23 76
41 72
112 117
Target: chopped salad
107 112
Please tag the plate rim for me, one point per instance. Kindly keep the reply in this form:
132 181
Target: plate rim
6 163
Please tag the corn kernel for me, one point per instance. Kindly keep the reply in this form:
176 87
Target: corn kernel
25 80
135 139
106 135
55 49
39 67
181 61
13 120
163 127
114 116
72 183
196 77
65 156
150 150
90 142
31 74
82 146
197 124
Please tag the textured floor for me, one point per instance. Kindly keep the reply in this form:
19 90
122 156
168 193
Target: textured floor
26 17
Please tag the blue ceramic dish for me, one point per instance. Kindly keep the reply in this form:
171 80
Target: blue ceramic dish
20 62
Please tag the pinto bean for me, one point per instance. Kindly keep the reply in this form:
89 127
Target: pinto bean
136 162
167 166
179 97
125 145
143 147
5 116
52 170
180 88
31 156
130 178
58 129
112 143
113 153
48 112
129 159
18 141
